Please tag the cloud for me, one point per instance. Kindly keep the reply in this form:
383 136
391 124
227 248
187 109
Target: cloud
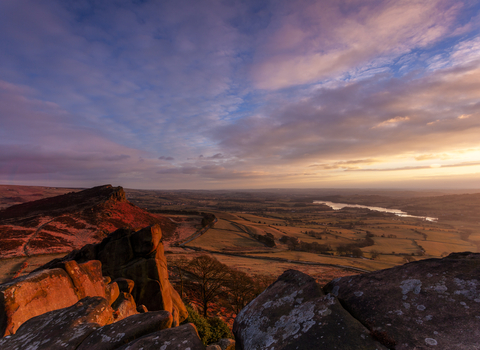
393 122
165 158
343 122
350 164
457 165
319 40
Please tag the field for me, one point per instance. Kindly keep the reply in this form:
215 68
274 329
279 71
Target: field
267 232
319 237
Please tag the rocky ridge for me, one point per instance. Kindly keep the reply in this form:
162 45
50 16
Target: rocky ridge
62 223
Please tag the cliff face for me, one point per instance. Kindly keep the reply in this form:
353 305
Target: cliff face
69 221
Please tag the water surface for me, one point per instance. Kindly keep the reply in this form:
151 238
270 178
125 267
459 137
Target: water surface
398 212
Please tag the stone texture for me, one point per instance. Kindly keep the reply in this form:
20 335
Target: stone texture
112 292
119 333
33 295
427 304
294 313
138 257
142 308
178 338
225 344
48 290
87 278
61 329
213 347
125 285
124 306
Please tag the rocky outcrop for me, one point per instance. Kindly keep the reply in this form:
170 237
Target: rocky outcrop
48 290
61 329
72 220
178 338
118 334
137 256
71 303
87 325
294 313
427 304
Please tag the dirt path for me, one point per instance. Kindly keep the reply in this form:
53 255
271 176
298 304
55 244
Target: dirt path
37 231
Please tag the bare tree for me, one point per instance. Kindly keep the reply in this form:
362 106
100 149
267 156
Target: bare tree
209 276
242 289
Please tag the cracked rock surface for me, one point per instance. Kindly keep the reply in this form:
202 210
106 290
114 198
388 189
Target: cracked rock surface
294 313
427 304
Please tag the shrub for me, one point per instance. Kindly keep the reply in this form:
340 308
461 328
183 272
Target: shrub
209 330
218 330
200 322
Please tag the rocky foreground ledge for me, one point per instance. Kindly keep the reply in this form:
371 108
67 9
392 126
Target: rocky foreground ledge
106 296
428 304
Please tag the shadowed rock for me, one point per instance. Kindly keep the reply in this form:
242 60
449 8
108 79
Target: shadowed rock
61 329
178 338
138 256
432 303
117 334
225 344
124 306
294 313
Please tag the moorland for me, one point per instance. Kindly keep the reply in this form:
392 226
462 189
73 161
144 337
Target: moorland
264 232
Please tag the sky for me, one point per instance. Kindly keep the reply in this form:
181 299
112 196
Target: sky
209 94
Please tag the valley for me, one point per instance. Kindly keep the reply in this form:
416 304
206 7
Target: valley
267 232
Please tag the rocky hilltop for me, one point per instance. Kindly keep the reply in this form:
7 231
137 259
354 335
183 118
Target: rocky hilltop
69 221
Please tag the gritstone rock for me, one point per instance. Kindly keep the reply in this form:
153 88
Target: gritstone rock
61 329
427 304
294 313
48 290
178 338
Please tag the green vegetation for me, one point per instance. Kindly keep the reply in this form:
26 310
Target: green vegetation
211 329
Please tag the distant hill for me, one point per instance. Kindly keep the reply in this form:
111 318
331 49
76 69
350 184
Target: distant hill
15 194
69 221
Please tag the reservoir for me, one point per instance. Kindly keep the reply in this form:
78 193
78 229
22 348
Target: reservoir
398 212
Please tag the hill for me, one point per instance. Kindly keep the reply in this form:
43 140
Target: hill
65 222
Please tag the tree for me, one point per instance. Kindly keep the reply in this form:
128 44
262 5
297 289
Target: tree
374 253
209 276
180 265
242 289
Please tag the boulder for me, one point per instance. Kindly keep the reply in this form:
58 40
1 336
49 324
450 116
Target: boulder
114 335
177 338
294 313
87 278
124 306
137 261
48 290
112 292
432 303
61 329
33 295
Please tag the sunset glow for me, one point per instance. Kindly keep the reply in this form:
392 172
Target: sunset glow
251 94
